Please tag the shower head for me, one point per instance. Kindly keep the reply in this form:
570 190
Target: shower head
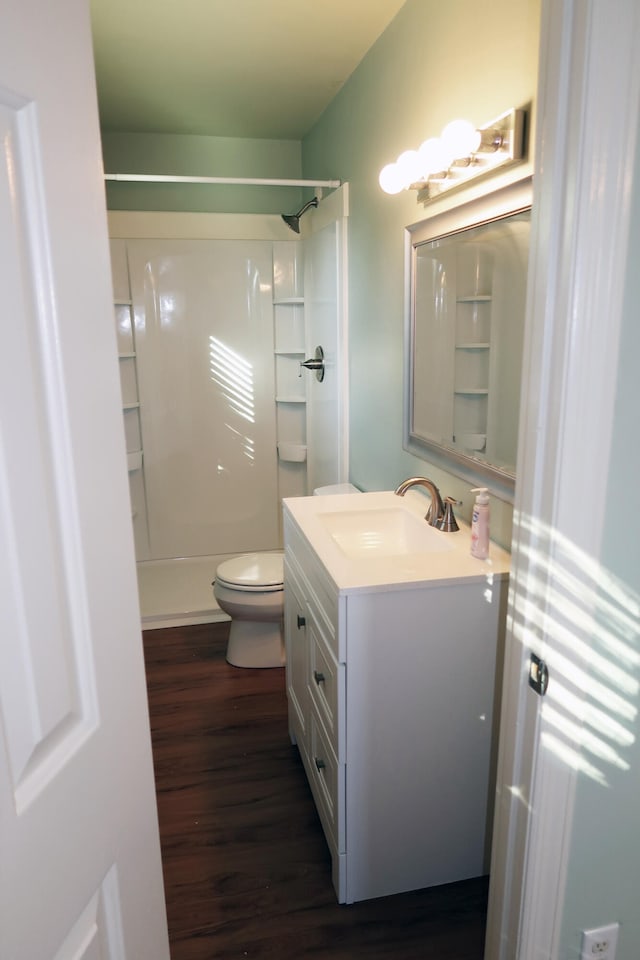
293 219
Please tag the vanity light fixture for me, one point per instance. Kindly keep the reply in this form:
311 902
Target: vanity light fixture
461 153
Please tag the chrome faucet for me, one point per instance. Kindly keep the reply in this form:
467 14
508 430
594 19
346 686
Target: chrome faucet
435 513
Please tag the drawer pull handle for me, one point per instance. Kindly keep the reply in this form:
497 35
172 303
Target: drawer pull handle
318 677
320 764
301 621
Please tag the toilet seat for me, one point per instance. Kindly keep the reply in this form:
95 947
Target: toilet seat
253 573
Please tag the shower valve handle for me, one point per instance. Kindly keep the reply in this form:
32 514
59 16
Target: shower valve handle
315 363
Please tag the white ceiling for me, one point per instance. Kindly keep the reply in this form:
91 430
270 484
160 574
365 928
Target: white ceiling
229 68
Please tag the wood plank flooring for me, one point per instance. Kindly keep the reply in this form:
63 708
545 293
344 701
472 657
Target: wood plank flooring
246 869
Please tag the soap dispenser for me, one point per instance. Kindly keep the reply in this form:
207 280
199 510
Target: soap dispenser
480 524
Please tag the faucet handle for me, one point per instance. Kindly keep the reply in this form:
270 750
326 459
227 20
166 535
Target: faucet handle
448 523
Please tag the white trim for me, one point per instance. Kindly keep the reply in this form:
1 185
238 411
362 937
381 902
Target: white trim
343 343
333 207
334 210
588 124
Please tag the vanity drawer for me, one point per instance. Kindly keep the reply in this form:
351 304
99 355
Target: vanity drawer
326 686
327 784
321 592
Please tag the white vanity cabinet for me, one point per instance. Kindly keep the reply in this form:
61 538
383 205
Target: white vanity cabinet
391 694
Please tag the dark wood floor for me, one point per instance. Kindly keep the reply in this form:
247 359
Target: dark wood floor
246 868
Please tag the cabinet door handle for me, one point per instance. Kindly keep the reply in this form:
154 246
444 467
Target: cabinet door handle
301 621
320 764
318 677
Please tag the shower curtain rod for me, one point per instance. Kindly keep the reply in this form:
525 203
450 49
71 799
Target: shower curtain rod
243 181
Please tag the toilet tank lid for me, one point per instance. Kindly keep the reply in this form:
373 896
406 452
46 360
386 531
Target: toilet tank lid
253 570
335 488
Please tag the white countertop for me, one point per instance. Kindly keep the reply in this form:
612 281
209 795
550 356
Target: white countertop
450 565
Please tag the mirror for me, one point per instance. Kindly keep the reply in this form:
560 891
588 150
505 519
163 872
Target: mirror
466 275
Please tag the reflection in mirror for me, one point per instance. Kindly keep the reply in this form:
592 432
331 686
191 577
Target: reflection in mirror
467 272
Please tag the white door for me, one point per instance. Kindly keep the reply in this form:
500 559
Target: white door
325 252
80 871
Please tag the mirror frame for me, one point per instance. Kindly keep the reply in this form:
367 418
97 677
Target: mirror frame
495 205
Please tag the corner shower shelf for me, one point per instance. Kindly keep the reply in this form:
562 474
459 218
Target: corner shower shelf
288 301
291 399
123 303
131 406
289 353
291 452
126 356
472 392
472 346
475 298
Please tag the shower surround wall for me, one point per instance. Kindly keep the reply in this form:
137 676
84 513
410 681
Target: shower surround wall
203 322
199 377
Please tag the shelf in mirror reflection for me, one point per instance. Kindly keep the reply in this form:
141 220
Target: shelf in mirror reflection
475 442
475 298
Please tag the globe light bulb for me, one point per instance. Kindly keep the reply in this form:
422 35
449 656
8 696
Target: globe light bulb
409 166
460 138
390 179
433 157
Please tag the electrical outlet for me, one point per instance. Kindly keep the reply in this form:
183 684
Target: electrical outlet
600 943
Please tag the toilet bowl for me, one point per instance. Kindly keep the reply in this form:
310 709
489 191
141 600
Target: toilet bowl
250 589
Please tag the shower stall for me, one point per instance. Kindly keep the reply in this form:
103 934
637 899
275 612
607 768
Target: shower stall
211 335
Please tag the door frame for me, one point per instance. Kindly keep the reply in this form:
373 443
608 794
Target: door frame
585 154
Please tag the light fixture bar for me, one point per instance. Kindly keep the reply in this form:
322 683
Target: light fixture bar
240 181
461 153
502 142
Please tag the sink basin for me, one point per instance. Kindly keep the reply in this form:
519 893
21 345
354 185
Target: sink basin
387 532
379 539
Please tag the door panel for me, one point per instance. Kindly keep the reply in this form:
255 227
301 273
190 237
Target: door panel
46 682
325 319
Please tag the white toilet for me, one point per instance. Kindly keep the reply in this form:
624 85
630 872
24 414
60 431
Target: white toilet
250 589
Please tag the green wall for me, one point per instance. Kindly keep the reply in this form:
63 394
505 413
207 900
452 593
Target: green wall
198 156
436 61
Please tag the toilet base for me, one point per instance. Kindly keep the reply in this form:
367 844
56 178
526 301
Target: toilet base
254 644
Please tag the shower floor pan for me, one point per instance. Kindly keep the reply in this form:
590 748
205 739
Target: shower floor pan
176 593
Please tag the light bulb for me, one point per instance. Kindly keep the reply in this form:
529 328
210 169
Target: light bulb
390 179
433 157
461 138
409 166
